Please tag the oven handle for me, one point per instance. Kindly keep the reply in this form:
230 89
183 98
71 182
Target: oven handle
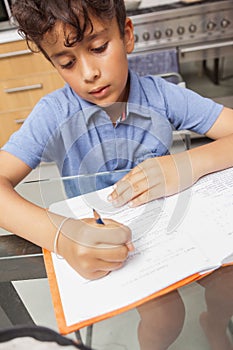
205 47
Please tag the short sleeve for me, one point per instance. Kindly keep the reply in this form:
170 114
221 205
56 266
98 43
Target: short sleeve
29 142
188 110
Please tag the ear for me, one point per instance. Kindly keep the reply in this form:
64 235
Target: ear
129 35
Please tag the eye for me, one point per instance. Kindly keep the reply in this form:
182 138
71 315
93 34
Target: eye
68 65
100 49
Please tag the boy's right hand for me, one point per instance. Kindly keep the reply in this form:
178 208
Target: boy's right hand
94 250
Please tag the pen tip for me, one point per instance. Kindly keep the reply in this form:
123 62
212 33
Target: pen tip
96 216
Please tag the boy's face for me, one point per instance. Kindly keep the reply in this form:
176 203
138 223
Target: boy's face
96 68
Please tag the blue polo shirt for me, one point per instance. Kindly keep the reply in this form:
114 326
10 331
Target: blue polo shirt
81 138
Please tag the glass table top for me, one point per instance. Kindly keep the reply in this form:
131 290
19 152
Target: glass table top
199 314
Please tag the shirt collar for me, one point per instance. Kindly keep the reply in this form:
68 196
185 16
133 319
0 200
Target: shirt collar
89 109
137 101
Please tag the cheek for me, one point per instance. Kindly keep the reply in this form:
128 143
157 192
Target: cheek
117 66
62 74
71 79
117 57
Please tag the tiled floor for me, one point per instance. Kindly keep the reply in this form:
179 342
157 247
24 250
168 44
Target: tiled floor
120 332
196 79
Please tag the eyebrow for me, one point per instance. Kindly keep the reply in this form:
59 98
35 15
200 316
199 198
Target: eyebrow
95 35
59 54
87 38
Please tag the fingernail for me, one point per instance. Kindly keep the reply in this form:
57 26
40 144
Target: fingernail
130 246
109 198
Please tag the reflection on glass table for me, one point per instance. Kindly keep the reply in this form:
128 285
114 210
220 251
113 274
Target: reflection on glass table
49 190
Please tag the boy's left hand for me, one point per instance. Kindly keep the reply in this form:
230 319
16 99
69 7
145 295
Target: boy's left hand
153 178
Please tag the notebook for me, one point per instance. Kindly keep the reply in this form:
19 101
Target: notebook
177 240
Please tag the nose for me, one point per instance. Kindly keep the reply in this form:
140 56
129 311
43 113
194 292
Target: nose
89 69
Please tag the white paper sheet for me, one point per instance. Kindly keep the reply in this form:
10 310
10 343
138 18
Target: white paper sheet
174 238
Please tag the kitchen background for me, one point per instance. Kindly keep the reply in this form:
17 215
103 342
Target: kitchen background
197 39
192 38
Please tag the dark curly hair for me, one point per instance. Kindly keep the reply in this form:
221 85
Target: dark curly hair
37 17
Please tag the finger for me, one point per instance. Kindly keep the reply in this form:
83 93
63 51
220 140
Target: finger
89 234
103 271
92 275
119 190
155 192
112 233
96 268
118 254
92 259
124 238
108 266
136 188
125 184
114 238
134 183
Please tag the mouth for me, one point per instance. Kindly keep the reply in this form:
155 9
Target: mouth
100 91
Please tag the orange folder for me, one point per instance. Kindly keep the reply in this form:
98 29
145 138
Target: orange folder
59 312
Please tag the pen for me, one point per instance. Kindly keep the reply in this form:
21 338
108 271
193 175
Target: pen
99 221
97 217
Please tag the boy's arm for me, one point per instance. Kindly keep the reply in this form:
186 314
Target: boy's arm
39 226
167 175
218 154
18 215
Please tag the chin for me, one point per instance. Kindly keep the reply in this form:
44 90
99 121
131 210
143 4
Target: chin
105 104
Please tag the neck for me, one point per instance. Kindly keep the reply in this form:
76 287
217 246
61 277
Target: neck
115 110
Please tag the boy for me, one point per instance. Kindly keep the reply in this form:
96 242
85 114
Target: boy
105 118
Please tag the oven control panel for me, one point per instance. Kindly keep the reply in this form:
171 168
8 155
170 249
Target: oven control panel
190 25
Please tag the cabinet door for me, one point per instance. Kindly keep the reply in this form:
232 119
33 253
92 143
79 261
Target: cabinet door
26 92
25 78
16 60
11 122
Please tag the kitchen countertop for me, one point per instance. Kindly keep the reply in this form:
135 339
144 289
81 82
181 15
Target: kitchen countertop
9 35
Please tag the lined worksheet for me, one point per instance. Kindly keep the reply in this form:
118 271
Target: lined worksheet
175 237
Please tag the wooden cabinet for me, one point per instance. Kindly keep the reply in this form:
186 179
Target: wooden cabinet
10 122
25 78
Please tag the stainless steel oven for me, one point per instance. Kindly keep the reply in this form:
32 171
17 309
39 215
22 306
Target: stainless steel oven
197 30
6 20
